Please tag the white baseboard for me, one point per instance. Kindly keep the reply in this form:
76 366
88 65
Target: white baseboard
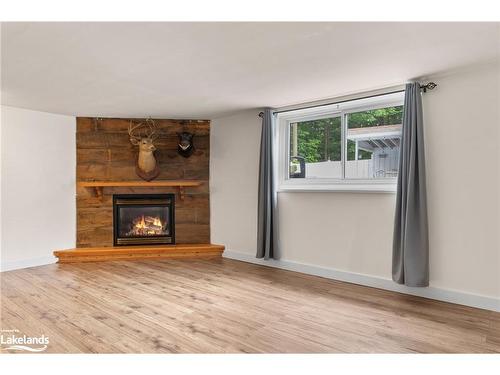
461 298
27 263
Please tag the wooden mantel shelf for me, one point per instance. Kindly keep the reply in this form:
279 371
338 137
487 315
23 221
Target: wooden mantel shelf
179 184
179 251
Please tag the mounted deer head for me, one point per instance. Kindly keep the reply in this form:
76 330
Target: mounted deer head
147 167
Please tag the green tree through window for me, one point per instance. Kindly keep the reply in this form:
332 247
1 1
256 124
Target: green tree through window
320 140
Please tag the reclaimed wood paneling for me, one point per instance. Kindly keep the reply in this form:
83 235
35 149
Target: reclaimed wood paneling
104 153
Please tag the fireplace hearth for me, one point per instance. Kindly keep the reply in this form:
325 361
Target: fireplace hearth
142 219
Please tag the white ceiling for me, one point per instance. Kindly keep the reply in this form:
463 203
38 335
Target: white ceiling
204 70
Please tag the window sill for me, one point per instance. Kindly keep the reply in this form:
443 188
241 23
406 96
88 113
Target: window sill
340 188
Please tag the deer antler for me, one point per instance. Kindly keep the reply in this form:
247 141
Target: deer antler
152 129
131 128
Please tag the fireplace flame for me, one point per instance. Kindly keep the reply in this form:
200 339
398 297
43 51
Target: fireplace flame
147 226
141 224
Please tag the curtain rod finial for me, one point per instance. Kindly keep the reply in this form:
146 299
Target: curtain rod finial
428 86
261 114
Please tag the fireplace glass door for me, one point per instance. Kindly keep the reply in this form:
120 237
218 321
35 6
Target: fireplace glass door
143 219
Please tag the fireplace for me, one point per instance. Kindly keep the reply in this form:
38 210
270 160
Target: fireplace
141 219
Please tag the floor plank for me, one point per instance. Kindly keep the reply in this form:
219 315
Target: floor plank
227 306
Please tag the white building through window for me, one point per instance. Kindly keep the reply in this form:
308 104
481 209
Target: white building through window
348 146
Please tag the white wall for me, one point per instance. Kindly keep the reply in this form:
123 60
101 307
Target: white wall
38 186
234 174
351 233
462 142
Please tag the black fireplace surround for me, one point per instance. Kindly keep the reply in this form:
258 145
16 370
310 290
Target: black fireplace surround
143 219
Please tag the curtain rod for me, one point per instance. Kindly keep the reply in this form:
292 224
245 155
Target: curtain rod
424 88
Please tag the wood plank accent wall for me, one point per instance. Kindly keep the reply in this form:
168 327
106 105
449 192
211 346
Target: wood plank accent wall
105 153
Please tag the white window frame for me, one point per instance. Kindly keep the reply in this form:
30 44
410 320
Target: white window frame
282 141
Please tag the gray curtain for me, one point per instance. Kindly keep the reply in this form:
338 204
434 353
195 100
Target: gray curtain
410 258
267 225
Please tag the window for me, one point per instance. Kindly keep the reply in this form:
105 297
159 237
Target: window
315 145
352 145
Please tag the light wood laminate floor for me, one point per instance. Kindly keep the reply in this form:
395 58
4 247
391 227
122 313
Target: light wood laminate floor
221 305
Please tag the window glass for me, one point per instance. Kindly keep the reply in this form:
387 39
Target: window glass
373 139
316 148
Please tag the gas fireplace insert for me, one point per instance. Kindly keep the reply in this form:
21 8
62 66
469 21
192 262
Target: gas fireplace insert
143 219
